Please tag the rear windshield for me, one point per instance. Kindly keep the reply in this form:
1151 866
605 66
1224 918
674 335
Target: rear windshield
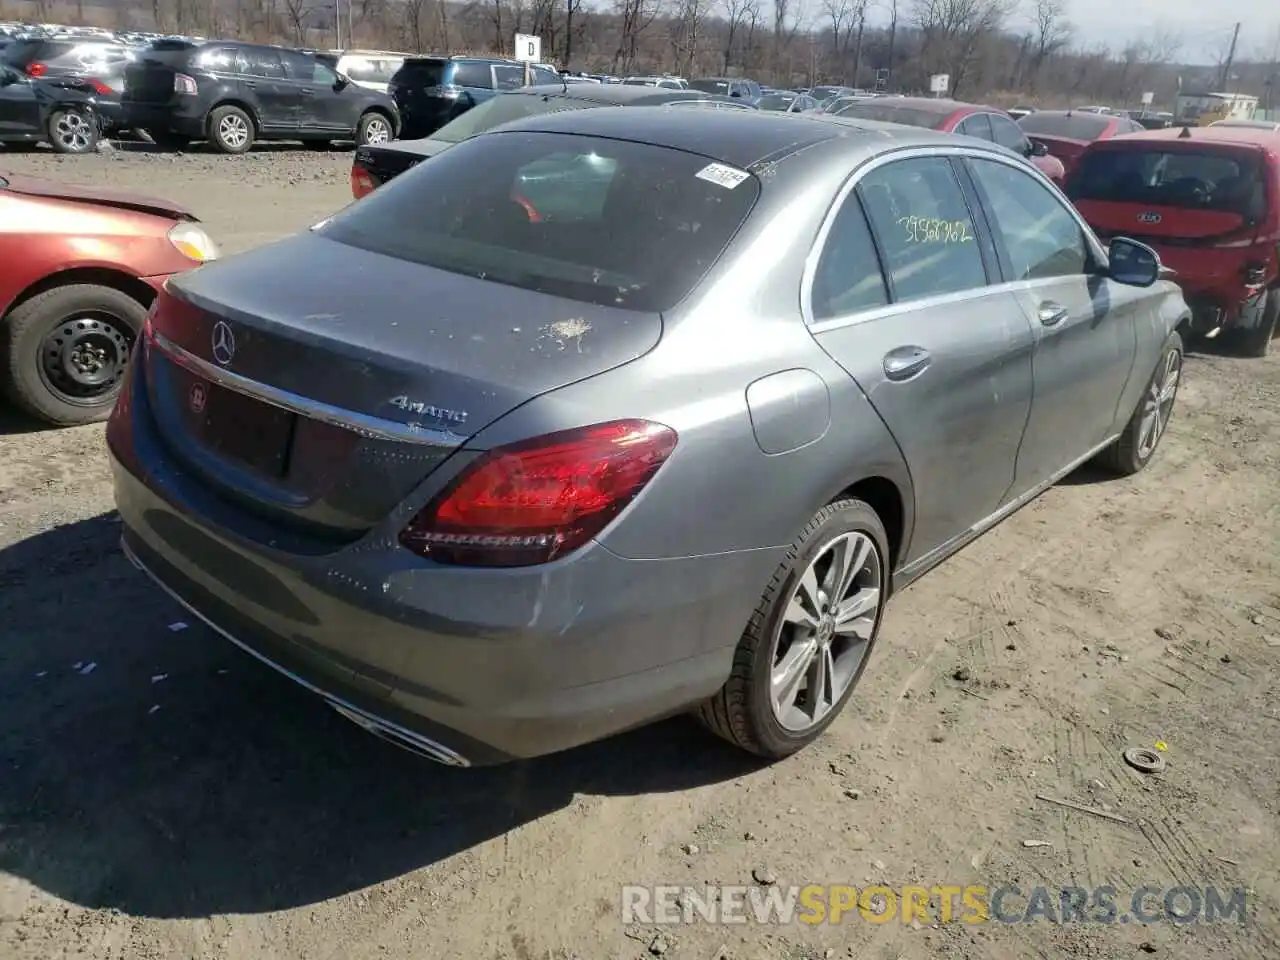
1227 182
1074 126
776 101
710 86
22 52
911 116
608 222
503 109
422 73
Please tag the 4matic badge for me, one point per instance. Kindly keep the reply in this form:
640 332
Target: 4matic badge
443 414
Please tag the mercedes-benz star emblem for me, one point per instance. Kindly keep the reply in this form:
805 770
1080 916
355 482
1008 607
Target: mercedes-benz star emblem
224 342
198 397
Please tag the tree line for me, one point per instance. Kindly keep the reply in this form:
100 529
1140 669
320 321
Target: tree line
999 51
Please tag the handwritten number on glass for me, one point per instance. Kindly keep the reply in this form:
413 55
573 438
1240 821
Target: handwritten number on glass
926 230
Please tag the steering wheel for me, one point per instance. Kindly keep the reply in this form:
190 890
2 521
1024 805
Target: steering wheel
529 208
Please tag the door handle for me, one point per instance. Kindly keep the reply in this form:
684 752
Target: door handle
306 92
250 83
905 362
1051 314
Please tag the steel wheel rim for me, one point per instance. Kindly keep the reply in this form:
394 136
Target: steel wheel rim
375 131
1157 404
83 358
825 631
233 131
72 131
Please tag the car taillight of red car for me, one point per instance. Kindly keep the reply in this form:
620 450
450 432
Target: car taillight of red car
534 501
361 181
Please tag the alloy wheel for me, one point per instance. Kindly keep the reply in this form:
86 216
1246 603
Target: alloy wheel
376 131
1157 405
73 132
825 631
233 131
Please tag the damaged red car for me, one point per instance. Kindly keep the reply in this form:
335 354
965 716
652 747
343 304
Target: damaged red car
79 268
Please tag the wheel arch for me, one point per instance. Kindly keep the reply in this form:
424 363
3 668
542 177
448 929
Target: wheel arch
112 277
383 112
240 104
887 499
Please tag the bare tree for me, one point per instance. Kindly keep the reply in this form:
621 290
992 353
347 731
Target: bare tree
1052 34
952 30
297 11
635 18
687 32
736 14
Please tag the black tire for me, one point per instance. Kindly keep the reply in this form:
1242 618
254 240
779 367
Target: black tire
102 320
230 130
319 145
741 712
73 131
168 140
1256 341
1131 452
375 124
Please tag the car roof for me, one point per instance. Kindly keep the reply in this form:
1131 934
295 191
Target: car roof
615 93
939 105
1226 135
740 138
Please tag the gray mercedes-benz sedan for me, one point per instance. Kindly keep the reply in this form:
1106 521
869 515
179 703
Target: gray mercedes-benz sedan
615 414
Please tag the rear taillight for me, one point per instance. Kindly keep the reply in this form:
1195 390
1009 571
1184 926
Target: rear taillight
37 69
448 92
534 501
100 88
184 85
361 181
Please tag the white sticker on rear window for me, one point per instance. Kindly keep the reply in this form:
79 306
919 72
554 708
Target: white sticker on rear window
718 173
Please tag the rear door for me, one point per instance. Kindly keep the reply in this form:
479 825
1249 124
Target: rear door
944 358
321 107
19 114
1085 325
275 97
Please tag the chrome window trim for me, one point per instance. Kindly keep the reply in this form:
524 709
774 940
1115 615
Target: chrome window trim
360 423
903 306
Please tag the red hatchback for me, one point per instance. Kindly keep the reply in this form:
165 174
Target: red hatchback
1208 200
1066 133
952 116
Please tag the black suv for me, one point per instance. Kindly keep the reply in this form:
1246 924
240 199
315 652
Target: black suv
59 110
431 91
232 94
98 62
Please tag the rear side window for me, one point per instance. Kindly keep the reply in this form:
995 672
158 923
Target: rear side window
371 71
473 75
848 278
609 222
926 234
976 125
421 73
1222 181
217 59
507 77
257 62
504 109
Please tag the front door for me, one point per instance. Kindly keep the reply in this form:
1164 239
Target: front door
274 96
943 358
1085 324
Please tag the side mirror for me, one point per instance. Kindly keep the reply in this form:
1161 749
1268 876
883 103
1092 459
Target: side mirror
1038 149
1132 263
735 93
342 82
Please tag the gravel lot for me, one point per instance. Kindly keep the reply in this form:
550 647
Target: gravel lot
161 795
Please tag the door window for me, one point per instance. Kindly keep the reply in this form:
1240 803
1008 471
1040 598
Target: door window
541 75
323 75
1008 134
256 62
472 75
926 233
507 77
976 125
848 278
1040 237
299 66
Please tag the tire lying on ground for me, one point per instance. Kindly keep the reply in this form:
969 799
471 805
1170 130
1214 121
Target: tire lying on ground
64 352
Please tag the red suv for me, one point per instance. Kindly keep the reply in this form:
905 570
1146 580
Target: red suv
1208 200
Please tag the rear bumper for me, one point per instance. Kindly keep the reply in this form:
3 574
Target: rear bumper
464 666
184 117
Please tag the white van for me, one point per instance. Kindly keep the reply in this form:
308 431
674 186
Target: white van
371 69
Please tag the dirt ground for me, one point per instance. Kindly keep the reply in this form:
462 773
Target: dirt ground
161 795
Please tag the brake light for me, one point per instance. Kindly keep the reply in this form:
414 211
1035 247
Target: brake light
184 85
361 181
448 92
100 88
37 69
531 502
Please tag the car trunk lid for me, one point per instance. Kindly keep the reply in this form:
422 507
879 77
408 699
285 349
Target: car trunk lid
322 404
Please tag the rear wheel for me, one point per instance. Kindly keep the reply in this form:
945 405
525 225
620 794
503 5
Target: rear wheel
230 130
373 128
65 351
1137 444
72 131
1256 341
808 641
